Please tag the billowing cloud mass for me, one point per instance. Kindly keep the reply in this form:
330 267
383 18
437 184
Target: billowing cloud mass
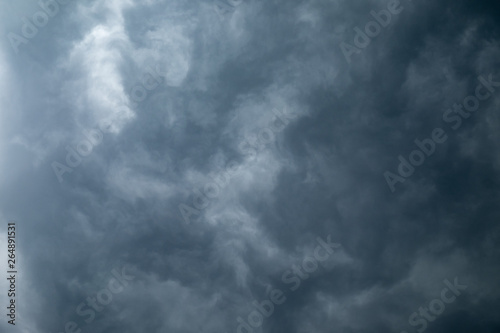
250 166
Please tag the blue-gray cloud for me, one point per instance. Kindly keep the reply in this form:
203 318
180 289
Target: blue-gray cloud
206 145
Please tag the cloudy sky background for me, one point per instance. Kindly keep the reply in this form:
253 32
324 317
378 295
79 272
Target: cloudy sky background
223 75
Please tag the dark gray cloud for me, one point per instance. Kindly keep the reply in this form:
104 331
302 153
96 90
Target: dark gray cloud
248 117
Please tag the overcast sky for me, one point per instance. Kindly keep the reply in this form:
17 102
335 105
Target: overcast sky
198 149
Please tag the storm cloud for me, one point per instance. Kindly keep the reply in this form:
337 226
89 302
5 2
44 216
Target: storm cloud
222 166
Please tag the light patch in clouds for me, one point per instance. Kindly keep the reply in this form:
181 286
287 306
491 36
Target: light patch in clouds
98 54
171 51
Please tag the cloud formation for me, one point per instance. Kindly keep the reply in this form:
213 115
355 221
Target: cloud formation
172 95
